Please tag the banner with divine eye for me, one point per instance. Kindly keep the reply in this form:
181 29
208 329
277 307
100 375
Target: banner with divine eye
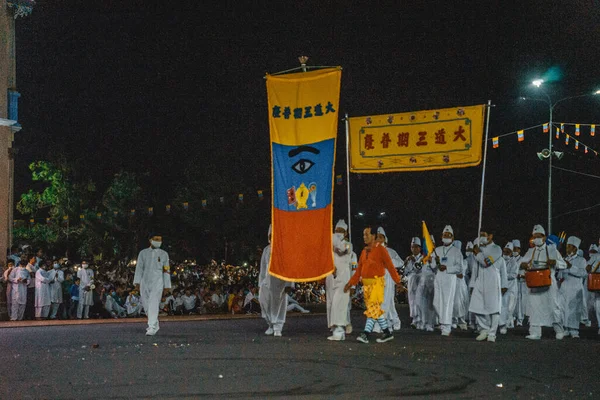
303 122
417 141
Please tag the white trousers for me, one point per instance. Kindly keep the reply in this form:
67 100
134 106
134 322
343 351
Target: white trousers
83 311
151 302
42 312
18 310
54 309
536 330
488 323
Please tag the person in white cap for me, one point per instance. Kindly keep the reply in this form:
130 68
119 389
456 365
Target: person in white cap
486 298
412 271
544 306
593 264
509 297
522 289
572 287
56 292
461 295
448 261
152 280
272 294
337 299
389 302
471 265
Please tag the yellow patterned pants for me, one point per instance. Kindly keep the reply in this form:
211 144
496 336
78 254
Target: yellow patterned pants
373 290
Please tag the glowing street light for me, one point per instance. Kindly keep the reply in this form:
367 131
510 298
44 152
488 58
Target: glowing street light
537 82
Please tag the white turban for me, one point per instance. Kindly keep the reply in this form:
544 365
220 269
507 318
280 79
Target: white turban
593 247
458 244
516 243
415 241
574 240
510 246
380 231
539 229
341 224
469 245
448 228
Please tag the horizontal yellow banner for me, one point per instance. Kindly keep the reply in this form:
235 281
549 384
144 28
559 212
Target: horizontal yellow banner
417 141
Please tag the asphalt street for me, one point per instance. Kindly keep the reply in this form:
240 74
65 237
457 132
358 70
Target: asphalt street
234 359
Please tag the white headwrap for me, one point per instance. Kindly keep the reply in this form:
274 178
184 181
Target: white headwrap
380 231
469 245
510 246
516 243
593 247
416 241
574 240
539 229
341 224
448 228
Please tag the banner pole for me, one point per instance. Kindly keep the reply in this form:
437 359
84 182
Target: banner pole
485 146
348 176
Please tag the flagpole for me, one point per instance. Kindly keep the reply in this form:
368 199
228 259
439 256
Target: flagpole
348 176
485 146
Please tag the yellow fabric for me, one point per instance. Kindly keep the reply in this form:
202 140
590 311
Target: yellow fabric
301 90
428 243
417 141
373 289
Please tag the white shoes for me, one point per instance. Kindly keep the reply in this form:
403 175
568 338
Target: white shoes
533 337
575 335
482 336
151 332
338 338
444 333
491 338
269 331
277 333
305 311
560 336
503 331
397 327
463 327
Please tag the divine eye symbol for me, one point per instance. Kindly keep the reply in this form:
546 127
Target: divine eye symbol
302 166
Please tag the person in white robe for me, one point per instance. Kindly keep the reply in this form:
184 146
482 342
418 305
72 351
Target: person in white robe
544 306
133 304
86 289
153 280
447 259
293 305
522 289
10 265
486 298
412 272
461 295
593 264
19 277
425 295
509 296
111 305
572 289
389 296
337 300
43 301
56 292
271 294
471 266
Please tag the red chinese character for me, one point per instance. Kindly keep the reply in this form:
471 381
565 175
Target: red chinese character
422 139
403 139
369 142
385 141
440 136
459 134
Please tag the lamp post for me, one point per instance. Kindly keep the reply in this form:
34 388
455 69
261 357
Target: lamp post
548 153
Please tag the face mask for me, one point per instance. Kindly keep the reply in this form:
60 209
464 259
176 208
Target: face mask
515 254
340 236
446 241
113 293
538 242
56 265
483 240
155 244
505 257
469 252
84 266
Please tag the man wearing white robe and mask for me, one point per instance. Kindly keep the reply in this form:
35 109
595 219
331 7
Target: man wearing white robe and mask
425 295
593 266
42 292
389 296
509 297
448 261
152 280
572 287
522 289
271 294
414 265
56 293
86 296
486 299
19 277
337 300
544 306
461 295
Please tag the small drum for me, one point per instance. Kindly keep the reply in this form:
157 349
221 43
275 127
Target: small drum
594 282
538 278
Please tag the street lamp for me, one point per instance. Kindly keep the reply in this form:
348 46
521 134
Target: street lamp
548 153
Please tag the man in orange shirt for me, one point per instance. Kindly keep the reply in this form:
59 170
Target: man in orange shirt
373 262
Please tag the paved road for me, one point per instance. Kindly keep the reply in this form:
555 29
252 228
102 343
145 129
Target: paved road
233 359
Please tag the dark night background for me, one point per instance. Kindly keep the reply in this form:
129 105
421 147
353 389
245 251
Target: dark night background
156 87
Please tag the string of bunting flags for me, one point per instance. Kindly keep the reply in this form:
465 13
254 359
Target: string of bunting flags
168 208
560 130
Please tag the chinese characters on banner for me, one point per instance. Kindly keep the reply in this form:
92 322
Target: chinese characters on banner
303 118
417 141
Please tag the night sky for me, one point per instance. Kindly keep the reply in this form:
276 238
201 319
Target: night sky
156 87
